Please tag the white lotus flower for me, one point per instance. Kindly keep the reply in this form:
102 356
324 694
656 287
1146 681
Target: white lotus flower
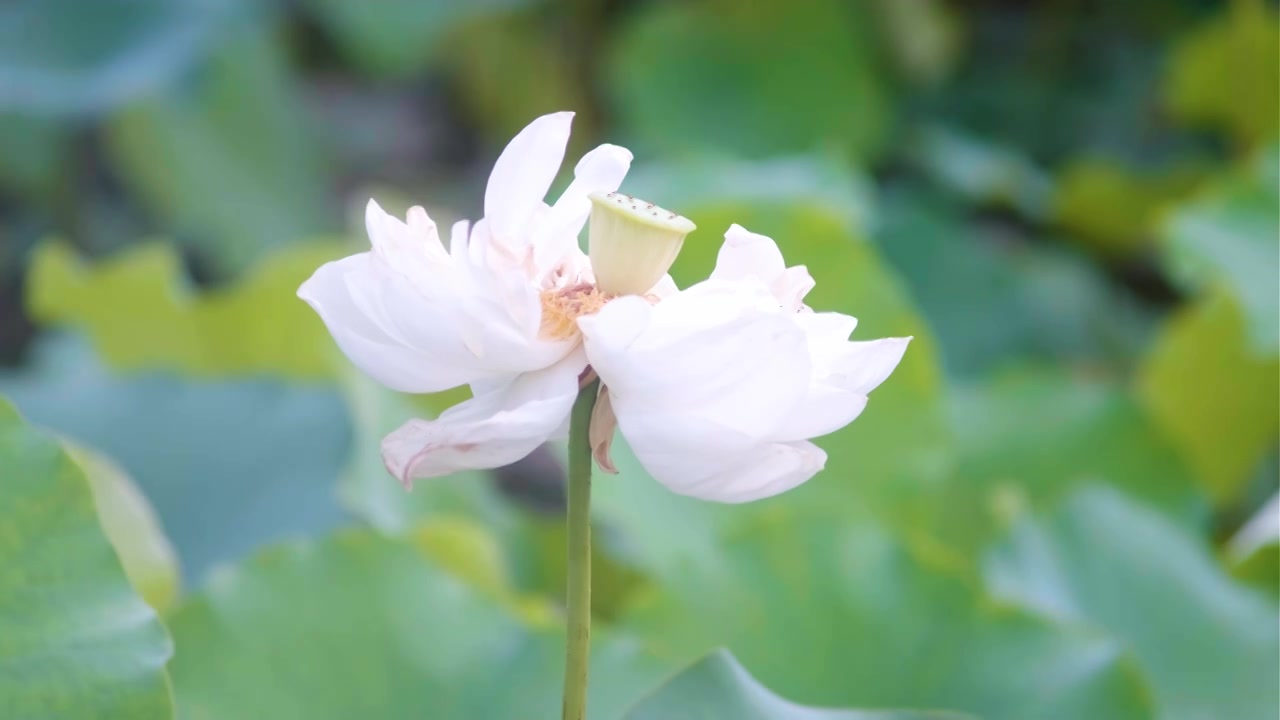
717 388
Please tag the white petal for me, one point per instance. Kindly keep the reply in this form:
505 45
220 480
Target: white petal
718 351
764 471
522 175
746 254
381 356
825 409
411 249
491 430
862 366
700 380
600 170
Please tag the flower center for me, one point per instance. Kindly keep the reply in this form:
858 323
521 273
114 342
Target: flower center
561 308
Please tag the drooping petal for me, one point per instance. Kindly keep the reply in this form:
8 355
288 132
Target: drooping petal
600 170
383 357
522 175
497 428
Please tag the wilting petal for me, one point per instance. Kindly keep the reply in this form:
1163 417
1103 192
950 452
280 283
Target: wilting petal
522 175
491 430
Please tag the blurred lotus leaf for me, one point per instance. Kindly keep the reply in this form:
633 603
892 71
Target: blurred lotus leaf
1254 551
227 160
1107 562
140 313
1029 437
750 79
894 628
65 57
398 38
175 439
509 70
75 641
717 687
1114 210
388 633
132 527
1229 236
981 171
1219 402
1224 75
994 296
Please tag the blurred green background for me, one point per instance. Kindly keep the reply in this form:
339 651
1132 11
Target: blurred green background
1055 508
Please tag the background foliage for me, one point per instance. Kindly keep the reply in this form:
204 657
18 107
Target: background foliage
1056 508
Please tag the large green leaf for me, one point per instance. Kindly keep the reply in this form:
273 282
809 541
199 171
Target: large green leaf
75 641
69 57
361 625
830 612
227 465
230 163
1028 437
750 79
718 688
1230 237
1219 402
1209 646
140 313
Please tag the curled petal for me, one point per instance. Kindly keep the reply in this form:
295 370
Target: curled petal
497 428
522 175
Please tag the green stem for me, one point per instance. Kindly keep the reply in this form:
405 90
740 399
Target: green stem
578 630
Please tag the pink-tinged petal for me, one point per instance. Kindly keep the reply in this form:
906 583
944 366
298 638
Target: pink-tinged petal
600 170
522 175
367 344
491 430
